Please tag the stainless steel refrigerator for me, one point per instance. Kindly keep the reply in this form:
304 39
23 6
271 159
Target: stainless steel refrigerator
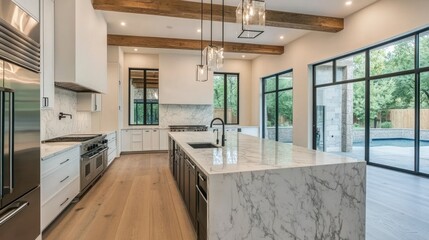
19 124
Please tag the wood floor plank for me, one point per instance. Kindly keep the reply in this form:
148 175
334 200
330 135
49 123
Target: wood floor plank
138 199
133 200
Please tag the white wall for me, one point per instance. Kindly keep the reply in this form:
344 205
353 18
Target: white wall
244 68
171 67
378 22
177 84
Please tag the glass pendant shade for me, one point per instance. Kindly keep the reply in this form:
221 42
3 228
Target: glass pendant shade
210 55
202 73
251 15
219 58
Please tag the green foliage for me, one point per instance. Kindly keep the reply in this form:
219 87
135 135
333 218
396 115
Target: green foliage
285 104
386 125
232 93
395 92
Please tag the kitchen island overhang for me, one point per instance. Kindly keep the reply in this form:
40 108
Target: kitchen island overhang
261 189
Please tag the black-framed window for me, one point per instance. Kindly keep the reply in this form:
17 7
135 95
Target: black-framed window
277 107
374 104
226 97
143 92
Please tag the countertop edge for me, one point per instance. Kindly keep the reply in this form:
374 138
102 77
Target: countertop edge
55 153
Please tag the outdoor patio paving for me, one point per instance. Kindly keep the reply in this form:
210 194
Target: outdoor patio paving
400 157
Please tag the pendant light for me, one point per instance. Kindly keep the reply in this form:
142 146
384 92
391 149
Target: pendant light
251 15
202 70
220 57
211 52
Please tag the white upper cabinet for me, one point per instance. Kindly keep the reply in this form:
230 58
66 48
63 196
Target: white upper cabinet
80 46
47 53
29 6
88 102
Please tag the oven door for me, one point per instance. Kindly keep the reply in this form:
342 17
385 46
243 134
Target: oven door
87 172
98 161
91 166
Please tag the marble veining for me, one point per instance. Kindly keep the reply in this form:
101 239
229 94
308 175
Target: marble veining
65 101
247 153
180 114
262 189
322 202
48 150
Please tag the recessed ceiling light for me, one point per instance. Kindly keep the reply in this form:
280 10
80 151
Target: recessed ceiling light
348 3
282 37
198 30
135 49
243 56
123 24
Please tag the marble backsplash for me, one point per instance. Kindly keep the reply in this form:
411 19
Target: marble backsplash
172 114
66 102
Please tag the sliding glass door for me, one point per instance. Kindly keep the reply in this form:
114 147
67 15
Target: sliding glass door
374 104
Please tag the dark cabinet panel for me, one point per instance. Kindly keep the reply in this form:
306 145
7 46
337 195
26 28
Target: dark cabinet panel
182 174
201 206
193 194
186 182
192 184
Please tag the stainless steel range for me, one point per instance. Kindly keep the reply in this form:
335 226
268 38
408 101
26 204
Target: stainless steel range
188 128
93 156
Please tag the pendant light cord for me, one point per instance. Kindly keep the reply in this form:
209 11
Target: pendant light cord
201 26
223 22
211 23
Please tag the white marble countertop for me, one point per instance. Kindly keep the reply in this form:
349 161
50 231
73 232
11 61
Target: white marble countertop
244 153
51 149
48 150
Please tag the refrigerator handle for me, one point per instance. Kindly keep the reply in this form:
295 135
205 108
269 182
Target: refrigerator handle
1 142
18 207
11 139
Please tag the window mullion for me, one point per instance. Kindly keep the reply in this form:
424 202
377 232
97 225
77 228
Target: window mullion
225 98
144 96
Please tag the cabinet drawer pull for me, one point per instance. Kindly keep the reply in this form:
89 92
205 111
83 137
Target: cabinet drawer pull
201 177
64 202
65 161
201 193
64 179
190 164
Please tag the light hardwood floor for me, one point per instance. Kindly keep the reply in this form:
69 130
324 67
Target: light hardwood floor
135 199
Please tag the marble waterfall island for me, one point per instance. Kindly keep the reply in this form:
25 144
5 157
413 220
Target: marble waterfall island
262 189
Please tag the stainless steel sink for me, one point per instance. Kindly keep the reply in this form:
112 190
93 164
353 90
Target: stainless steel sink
203 145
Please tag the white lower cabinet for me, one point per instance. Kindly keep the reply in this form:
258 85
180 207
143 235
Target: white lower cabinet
163 139
125 140
147 139
155 140
111 144
60 182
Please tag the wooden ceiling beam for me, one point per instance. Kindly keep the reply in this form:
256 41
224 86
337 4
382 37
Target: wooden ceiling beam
188 44
191 10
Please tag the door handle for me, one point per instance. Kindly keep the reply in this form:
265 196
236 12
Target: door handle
1 142
14 210
11 138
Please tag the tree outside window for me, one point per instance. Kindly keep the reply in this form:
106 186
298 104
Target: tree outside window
226 97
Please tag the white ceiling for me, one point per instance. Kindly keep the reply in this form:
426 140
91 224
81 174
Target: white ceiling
169 27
